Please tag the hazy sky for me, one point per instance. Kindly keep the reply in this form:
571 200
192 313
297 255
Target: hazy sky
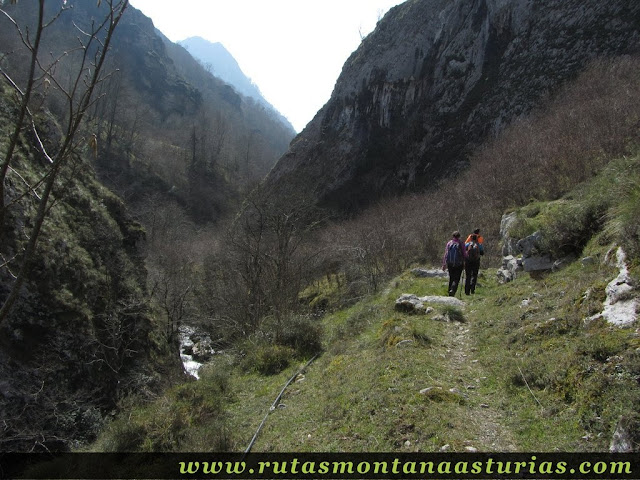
293 50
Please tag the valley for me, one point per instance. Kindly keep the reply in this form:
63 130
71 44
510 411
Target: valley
154 214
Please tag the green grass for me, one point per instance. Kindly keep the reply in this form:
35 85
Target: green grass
553 370
187 417
363 394
530 374
607 206
514 376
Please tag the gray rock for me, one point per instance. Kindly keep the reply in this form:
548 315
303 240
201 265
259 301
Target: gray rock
457 392
586 261
424 391
202 351
504 276
510 268
442 300
509 245
533 260
429 273
506 222
536 263
563 262
621 304
530 246
622 441
410 303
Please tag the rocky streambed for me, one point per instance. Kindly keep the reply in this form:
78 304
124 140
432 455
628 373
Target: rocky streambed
196 349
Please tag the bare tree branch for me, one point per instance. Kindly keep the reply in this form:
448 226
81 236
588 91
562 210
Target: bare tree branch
76 113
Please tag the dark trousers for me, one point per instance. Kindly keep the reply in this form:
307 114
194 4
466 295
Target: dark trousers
471 271
454 278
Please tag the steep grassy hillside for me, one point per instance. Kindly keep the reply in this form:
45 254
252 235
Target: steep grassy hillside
523 366
520 367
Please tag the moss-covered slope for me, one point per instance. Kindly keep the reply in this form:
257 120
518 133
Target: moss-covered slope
78 338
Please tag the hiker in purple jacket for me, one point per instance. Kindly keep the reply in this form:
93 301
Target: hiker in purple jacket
453 260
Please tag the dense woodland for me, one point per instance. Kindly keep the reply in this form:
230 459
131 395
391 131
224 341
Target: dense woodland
129 209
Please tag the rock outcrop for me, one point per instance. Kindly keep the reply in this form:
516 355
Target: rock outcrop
434 80
621 303
510 268
526 254
534 258
625 437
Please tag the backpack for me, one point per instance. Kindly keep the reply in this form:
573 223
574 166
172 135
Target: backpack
473 251
454 255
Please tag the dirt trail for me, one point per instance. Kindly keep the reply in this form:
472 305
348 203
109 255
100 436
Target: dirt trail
488 425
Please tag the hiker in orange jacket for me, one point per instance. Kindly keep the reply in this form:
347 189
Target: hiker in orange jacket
474 248
480 239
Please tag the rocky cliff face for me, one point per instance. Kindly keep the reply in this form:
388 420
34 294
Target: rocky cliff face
434 80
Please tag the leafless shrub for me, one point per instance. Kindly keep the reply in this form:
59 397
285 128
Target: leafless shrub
592 120
264 262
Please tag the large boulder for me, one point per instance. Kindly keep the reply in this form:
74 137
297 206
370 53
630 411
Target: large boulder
528 253
538 263
530 245
408 302
534 258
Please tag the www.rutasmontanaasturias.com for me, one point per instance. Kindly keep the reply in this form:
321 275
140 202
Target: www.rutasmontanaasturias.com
402 468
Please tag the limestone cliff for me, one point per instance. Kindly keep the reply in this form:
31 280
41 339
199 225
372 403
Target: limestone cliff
434 80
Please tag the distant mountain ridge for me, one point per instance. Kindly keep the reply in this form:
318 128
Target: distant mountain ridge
221 63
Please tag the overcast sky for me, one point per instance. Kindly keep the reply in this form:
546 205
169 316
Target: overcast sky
293 50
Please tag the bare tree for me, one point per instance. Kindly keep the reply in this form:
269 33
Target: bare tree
266 262
93 45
